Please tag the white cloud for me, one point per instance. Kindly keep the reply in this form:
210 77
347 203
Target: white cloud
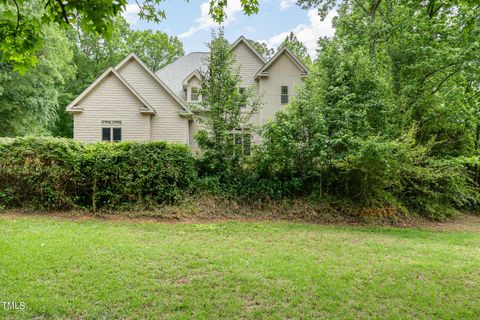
206 22
250 29
308 34
131 13
285 4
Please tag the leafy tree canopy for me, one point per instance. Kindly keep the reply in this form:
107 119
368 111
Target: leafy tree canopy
263 48
21 30
297 47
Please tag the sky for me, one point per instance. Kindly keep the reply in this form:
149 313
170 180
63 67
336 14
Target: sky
276 19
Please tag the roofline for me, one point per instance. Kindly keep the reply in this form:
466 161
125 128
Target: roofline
190 76
277 55
162 84
249 45
71 106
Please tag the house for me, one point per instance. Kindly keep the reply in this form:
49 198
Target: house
129 102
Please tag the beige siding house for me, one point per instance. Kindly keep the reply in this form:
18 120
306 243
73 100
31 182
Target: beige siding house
131 103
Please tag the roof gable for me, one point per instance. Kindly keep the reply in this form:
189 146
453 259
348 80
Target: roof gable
72 106
245 41
154 76
289 54
176 72
195 73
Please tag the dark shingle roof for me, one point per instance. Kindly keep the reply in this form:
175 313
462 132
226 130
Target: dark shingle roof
174 73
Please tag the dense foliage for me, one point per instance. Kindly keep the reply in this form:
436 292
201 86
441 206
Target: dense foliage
389 115
52 173
225 110
22 21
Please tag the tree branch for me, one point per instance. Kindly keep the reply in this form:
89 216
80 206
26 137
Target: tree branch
444 80
18 23
64 12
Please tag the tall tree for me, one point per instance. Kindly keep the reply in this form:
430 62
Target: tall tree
297 47
428 51
156 49
20 30
29 104
263 48
222 109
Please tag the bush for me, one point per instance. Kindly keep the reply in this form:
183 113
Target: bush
38 173
404 174
50 173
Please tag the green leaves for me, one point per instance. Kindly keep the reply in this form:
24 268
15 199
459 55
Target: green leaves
222 108
48 173
21 21
391 67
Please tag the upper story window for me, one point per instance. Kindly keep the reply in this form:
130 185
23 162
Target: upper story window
242 94
284 95
111 130
194 94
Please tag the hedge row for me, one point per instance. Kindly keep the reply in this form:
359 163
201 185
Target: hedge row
52 173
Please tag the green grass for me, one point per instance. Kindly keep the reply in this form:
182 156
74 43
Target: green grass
93 269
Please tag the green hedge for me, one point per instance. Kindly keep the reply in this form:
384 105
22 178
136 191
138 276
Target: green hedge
51 173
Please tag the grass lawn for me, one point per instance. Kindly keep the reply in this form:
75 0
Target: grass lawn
94 269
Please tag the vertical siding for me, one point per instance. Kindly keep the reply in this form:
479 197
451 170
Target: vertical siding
283 72
111 100
166 124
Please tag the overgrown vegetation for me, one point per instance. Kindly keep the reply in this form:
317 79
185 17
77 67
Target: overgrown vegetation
52 173
383 121
389 117
225 112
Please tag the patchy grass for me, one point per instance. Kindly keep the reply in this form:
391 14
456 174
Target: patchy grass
118 269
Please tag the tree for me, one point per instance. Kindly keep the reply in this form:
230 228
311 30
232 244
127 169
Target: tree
221 109
263 49
429 52
21 21
29 104
156 49
389 112
298 48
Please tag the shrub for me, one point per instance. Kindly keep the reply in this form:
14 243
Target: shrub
50 173
38 172
404 174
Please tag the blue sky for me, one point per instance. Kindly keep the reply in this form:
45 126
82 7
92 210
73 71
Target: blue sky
276 18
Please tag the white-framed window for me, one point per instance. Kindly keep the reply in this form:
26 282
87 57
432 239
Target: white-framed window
284 95
243 138
194 94
111 130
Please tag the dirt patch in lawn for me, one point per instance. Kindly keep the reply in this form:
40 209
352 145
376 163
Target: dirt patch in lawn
211 209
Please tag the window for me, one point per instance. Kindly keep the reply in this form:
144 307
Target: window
111 130
117 134
242 138
284 95
247 143
242 94
194 94
106 134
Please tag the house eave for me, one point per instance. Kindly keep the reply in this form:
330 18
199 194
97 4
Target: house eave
75 109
